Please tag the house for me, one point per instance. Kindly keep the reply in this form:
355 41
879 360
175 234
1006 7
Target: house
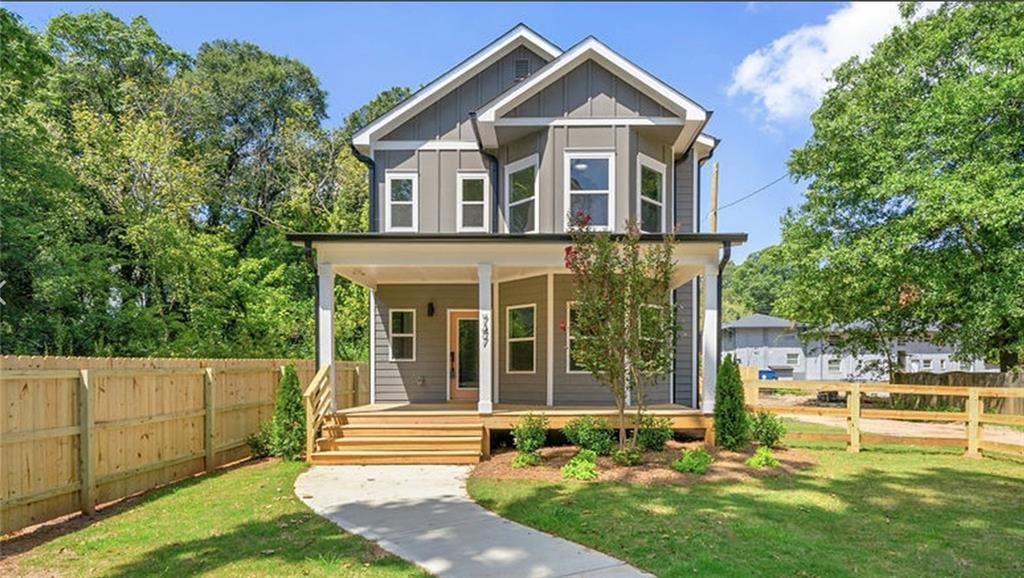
473 178
771 343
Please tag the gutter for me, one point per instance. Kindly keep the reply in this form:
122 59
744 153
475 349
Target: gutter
371 190
495 181
726 253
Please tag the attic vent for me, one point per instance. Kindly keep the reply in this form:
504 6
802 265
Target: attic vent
522 68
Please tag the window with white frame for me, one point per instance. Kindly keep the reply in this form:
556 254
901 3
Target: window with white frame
792 358
651 194
926 364
520 338
571 364
589 188
400 213
403 334
833 365
942 364
521 180
472 192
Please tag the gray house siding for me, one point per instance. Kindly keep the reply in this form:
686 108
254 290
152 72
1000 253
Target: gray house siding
686 356
684 201
529 388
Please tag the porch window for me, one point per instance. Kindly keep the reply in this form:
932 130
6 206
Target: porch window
589 179
572 365
651 194
520 339
472 191
400 213
403 335
521 203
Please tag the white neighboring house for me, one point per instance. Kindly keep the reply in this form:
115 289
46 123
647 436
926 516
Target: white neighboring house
773 343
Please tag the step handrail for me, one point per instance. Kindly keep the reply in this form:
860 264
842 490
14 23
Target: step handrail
315 412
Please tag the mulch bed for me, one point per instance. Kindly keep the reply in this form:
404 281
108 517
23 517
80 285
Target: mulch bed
655 469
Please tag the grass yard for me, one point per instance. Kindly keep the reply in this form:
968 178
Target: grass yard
887 512
240 522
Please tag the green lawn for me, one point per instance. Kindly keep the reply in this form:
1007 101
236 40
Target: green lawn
878 513
241 522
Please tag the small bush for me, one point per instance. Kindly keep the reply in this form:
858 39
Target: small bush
259 442
583 466
652 433
288 426
526 460
732 427
693 461
762 458
530 433
628 456
767 428
590 433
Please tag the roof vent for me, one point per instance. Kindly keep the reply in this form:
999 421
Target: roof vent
522 68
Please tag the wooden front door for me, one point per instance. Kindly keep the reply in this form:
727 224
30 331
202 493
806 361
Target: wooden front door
464 354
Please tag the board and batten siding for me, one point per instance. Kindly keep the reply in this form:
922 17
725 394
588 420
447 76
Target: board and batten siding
686 356
529 388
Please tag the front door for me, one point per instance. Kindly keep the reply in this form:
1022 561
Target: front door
464 354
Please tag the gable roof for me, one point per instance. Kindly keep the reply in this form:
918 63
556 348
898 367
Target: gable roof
518 36
759 321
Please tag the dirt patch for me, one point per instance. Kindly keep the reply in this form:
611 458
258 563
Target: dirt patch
655 469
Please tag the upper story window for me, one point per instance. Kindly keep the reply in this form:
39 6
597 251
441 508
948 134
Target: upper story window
472 211
402 199
521 181
522 68
651 196
589 188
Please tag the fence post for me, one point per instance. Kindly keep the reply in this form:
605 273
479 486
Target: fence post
210 412
751 393
86 445
973 423
853 425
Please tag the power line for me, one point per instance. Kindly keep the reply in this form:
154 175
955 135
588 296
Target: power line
750 194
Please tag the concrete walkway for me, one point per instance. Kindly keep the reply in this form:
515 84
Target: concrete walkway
423 514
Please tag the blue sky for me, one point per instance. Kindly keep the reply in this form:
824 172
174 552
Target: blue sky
760 67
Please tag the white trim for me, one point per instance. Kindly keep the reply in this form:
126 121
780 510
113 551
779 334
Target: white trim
568 341
509 340
520 121
567 193
642 161
512 168
551 340
693 337
373 346
672 374
448 352
415 203
520 35
496 351
461 176
696 193
392 335
425 145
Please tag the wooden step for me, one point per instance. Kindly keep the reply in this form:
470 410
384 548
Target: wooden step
402 443
365 457
409 417
377 429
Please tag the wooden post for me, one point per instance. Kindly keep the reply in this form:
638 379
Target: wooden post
973 423
86 445
853 405
714 197
209 406
751 393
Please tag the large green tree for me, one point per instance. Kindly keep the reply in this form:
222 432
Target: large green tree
914 213
753 286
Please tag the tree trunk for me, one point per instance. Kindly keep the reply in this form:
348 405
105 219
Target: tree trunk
622 425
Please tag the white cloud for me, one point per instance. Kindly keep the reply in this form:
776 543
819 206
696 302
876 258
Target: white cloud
788 77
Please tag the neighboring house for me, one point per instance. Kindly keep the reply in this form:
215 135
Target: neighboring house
473 178
772 343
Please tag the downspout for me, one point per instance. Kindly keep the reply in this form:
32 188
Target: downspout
316 305
726 253
372 189
495 181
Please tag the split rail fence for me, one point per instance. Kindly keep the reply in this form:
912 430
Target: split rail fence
76 432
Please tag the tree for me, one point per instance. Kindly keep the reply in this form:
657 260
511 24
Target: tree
623 328
914 211
732 426
288 426
753 286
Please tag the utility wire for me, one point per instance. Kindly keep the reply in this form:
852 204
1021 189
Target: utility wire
748 195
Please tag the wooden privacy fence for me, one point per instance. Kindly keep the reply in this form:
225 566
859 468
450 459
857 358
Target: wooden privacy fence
76 432
974 415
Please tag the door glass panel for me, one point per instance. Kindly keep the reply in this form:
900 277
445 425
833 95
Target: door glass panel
469 353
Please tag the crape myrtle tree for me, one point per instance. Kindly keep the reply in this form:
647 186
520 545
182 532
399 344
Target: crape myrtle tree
913 218
622 321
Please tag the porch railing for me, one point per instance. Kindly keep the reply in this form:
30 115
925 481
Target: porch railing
317 399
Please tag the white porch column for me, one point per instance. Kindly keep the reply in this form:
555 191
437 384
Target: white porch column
710 337
485 405
325 323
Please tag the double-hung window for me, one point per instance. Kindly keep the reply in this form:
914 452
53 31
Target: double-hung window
403 334
521 181
472 191
589 188
792 358
834 365
401 198
651 194
520 338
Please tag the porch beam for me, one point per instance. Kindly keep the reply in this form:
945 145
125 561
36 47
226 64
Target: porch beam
325 324
709 338
485 404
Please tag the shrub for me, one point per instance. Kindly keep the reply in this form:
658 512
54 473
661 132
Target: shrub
732 426
583 466
693 461
628 456
529 434
259 442
763 458
653 432
288 426
526 460
590 433
767 428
